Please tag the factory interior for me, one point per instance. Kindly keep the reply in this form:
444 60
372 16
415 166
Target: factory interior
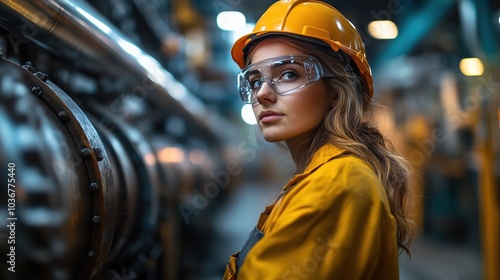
132 156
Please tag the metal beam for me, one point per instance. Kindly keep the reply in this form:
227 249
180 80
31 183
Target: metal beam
413 29
488 39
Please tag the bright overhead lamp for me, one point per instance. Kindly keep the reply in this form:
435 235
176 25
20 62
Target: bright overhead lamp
231 20
472 66
383 29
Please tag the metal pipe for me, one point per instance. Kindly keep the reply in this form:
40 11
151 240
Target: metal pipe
75 31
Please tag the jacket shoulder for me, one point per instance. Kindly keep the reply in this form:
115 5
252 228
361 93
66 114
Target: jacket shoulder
348 177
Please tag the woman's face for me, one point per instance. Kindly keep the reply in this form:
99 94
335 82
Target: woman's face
292 117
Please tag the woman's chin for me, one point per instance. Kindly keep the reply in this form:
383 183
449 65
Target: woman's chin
272 138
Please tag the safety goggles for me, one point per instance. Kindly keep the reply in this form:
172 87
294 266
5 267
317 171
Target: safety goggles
285 75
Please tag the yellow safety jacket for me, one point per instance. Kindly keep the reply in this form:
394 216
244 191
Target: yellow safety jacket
333 224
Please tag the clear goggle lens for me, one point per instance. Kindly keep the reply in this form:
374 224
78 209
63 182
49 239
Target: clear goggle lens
285 75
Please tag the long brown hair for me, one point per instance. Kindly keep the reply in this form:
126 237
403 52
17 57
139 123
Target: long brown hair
346 126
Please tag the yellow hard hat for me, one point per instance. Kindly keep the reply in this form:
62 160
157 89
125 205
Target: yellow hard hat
313 19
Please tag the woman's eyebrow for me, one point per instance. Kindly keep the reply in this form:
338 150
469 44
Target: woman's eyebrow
283 62
253 72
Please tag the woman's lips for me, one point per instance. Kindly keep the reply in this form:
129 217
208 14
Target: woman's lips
269 116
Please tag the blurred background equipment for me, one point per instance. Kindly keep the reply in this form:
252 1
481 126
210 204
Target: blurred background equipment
133 157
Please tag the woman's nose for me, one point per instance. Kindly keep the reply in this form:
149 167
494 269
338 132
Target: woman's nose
266 92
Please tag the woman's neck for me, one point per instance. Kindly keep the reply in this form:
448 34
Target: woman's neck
299 148
302 147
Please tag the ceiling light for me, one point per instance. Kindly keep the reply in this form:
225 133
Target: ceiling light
472 66
383 29
231 21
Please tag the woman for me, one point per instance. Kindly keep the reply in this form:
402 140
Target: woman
343 214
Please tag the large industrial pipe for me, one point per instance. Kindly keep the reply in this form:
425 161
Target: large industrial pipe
64 201
86 200
91 200
75 31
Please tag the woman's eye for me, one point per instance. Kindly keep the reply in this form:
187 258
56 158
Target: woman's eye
255 84
288 76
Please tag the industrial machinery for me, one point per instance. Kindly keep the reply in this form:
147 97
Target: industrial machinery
100 147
